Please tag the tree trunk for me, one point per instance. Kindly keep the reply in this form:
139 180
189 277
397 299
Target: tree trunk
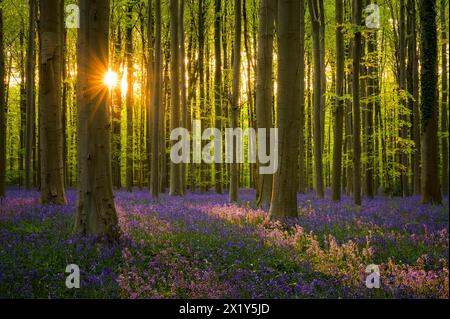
284 193
402 88
339 110
301 102
23 105
444 117
96 213
323 78
431 192
314 12
30 103
156 104
2 109
357 20
413 90
372 74
129 97
264 88
233 193
117 116
150 87
50 110
184 110
218 86
175 169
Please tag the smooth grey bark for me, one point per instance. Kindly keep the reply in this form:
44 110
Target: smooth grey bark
175 169
30 103
2 109
357 20
301 102
116 138
218 85
96 212
129 96
402 88
314 12
183 85
285 183
339 103
150 85
372 75
157 98
50 104
234 180
264 88
413 89
444 107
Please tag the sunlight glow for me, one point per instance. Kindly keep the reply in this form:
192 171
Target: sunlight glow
111 79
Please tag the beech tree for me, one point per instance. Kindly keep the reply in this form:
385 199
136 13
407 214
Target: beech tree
183 86
431 192
301 102
50 103
175 169
30 103
2 109
157 98
284 193
369 114
264 88
357 20
444 88
315 14
339 104
218 85
234 178
96 212
129 96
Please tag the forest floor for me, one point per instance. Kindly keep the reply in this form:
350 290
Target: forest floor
200 246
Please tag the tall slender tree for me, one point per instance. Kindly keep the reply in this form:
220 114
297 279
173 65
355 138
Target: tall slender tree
150 83
175 169
116 138
183 84
235 108
301 102
431 192
2 108
314 12
339 104
372 75
30 102
357 20
264 87
402 87
413 90
157 98
285 184
444 117
50 103
96 212
129 96
218 85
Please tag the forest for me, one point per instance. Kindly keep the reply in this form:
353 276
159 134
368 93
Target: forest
251 149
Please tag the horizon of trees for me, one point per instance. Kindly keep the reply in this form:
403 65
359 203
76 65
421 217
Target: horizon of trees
361 108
